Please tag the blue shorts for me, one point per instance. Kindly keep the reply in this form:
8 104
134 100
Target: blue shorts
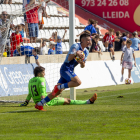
25 17
66 76
33 29
110 46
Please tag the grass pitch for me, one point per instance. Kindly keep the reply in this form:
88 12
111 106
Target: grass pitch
110 118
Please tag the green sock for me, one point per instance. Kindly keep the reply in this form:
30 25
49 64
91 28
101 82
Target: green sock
78 102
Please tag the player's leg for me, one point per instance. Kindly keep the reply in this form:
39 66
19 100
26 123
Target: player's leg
122 72
111 49
67 101
106 46
31 31
68 79
129 73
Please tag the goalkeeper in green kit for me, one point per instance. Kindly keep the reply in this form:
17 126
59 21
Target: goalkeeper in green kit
37 91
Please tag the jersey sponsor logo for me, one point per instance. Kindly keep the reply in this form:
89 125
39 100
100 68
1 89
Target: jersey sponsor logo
42 83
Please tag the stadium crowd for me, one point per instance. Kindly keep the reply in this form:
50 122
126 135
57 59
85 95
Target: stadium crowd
33 21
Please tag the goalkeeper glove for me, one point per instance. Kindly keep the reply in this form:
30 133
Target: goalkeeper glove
36 57
24 104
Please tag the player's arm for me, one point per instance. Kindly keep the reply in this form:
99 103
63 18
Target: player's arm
64 35
55 37
28 98
37 62
82 64
80 33
73 53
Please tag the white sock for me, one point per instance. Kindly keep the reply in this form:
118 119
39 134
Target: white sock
88 102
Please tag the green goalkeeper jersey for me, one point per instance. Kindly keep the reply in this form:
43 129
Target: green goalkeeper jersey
36 89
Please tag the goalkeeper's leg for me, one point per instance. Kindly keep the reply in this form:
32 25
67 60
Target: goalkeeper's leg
66 101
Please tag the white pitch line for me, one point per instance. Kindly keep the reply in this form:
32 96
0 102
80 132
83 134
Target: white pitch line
97 98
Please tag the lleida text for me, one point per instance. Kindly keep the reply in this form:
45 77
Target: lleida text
116 14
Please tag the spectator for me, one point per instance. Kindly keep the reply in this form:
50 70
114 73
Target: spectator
23 29
109 42
43 49
135 41
95 45
7 1
90 27
16 39
3 30
118 41
28 51
32 20
41 11
53 37
127 58
96 28
123 40
52 46
5 52
58 46
127 35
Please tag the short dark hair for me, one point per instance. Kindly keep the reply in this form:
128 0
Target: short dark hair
123 34
97 36
91 21
134 34
111 30
84 35
37 50
43 41
129 42
117 33
86 32
96 21
18 26
127 33
38 69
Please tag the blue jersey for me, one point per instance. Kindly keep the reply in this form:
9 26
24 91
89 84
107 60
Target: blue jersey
25 50
50 51
58 48
22 33
135 43
73 63
91 28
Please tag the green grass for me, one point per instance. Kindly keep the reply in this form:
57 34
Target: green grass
110 118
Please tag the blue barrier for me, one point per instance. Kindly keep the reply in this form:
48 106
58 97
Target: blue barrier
14 79
136 72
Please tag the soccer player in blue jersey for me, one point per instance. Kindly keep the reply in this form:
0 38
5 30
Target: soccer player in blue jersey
28 51
68 77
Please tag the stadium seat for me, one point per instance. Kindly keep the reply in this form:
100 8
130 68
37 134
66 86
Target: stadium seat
39 35
67 46
63 47
60 22
55 10
77 23
47 34
47 10
43 33
13 9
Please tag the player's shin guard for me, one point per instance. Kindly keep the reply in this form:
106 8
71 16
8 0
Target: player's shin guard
77 102
45 100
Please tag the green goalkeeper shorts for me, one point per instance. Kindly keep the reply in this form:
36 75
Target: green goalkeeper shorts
56 101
